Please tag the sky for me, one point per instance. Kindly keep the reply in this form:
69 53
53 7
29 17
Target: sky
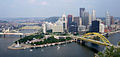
47 8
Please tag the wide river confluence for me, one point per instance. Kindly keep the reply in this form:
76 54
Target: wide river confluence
66 50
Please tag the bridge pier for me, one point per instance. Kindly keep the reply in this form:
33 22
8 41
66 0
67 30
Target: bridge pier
20 36
81 42
4 35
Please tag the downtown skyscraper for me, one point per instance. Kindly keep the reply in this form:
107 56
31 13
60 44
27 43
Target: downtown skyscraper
64 19
69 20
84 16
86 19
93 16
107 20
82 10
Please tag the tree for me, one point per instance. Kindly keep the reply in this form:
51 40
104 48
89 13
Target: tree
119 43
109 52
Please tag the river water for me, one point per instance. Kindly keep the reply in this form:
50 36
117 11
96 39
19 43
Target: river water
66 50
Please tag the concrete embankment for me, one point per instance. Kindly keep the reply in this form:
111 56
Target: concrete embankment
24 46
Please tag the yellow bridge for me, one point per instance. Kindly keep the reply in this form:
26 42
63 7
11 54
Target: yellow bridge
89 37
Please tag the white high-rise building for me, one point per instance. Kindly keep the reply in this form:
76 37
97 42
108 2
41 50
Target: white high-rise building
64 19
80 21
90 20
44 26
102 27
93 16
47 26
58 26
107 20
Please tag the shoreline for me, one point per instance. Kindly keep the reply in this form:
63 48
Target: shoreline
24 46
96 55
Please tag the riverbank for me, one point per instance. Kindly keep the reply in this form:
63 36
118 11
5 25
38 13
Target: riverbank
24 46
115 32
113 42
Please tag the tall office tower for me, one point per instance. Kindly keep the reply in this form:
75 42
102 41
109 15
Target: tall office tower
73 28
77 20
69 20
44 26
80 21
90 19
65 21
102 28
107 21
111 20
58 26
93 16
85 19
97 26
82 10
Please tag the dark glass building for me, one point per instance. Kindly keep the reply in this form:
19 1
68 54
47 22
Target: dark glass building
111 20
70 17
95 26
77 20
73 28
82 10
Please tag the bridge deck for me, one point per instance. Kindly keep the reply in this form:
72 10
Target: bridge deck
93 41
11 33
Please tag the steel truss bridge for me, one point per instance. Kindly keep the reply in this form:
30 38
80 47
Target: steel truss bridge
89 37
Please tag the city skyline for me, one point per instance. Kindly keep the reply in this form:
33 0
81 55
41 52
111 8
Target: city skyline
46 8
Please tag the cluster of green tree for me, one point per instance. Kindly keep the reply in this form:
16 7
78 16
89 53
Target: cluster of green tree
51 40
109 52
119 43
57 33
29 38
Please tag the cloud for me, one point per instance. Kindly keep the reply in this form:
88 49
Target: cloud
32 1
37 2
43 3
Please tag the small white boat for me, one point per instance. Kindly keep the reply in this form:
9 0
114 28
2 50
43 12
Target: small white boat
53 43
42 50
45 45
24 48
49 44
58 47
41 46
31 50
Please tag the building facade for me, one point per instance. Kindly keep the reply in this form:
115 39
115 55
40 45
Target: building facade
59 26
111 20
69 20
107 21
85 19
73 28
77 20
93 16
97 26
82 10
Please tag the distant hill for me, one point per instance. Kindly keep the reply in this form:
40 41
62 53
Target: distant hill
31 19
1 21
51 19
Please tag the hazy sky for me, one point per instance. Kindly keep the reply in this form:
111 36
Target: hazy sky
39 8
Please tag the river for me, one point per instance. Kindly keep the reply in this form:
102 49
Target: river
66 50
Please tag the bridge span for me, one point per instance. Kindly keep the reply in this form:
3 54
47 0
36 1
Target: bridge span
86 37
21 34
11 33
